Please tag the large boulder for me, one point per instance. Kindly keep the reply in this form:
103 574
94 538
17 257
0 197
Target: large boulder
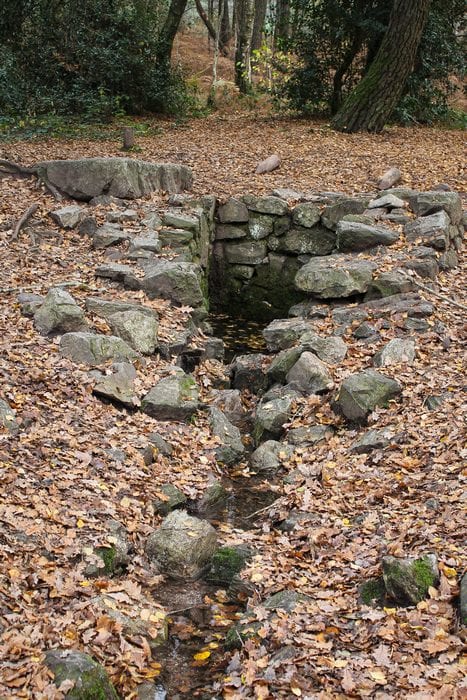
92 349
361 393
271 415
231 447
173 398
335 276
430 202
137 328
353 236
270 455
282 363
183 546
309 374
282 333
178 281
125 178
59 313
90 678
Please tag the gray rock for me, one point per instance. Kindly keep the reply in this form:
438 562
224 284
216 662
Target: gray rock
137 328
448 260
59 313
108 235
90 678
175 238
227 563
387 201
174 398
408 580
152 220
306 214
333 213
213 498
266 205
388 284
29 303
112 558
335 277
245 252
105 308
271 416
352 236
226 231
371 440
182 546
150 691
430 202
430 230
87 226
397 351
230 403
389 179
159 444
260 226
309 435
331 350
361 393
231 448
118 386
282 363
124 178
365 330
309 375
180 220
121 217
92 349
248 372
309 308
170 498
151 243
285 600
305 241
68 217
287 193
233 212
118 273
8 418
178 281
270 456
284 332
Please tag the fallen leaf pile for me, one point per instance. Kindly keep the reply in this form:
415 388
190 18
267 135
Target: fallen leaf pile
77 462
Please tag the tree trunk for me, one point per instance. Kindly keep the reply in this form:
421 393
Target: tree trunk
371 103
258 24
347 60
245 14
282 26
169 30
226 30
213 33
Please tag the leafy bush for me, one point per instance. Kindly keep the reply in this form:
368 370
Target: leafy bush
96 58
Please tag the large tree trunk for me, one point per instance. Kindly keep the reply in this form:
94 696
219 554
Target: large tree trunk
258 24
169 30
373 100
245 15
226 30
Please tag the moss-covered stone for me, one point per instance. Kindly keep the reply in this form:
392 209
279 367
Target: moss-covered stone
373 591
226 563
90 678
172 498
239 633
408 581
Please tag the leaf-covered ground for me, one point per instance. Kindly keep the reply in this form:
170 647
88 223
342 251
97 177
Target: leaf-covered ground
64 476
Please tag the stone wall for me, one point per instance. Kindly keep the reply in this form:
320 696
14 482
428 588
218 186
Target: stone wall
260 243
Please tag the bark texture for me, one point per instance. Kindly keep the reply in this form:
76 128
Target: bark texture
258 24
169 30
371 103
244 15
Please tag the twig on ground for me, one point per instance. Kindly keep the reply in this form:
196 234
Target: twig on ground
27 215
425 288
262 510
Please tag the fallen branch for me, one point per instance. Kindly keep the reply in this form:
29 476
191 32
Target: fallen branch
263 510
27 215
425 288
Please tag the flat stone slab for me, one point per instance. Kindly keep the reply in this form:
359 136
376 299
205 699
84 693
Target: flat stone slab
335 276
125 178
93 349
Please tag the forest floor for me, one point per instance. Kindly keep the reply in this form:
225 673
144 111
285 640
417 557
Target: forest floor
63 476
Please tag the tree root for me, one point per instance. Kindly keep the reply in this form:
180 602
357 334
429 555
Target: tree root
22 221
10 168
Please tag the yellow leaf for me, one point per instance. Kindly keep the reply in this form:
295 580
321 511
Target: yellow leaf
125 502
257 577
202 655
450 573
80 523
346 522
84 584
296 691
378 676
